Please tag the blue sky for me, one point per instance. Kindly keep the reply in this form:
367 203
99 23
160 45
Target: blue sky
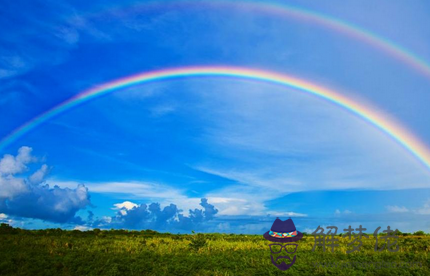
235 152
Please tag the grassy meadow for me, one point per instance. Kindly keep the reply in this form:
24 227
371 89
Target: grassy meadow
121 252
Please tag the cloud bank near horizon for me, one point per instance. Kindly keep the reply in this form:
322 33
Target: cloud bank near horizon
24 194
133 216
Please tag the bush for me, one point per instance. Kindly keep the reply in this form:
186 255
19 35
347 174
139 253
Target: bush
419 233
198 242
6 229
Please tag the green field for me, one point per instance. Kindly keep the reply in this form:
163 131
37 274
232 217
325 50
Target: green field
121 252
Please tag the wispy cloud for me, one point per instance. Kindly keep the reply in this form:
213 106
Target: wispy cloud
287 141
161 110
257 179
423 210
397 209
286 214
340 213
52 31
137 189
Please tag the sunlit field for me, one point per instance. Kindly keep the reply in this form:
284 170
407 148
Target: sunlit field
121 252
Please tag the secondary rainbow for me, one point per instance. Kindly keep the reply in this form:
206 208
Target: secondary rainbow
385 45
371 115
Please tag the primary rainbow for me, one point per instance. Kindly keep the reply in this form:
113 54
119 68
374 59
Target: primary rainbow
388 126
385 45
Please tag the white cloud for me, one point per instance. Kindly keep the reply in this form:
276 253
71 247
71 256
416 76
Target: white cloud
229 206
223 227
135 188
82 228
256 178
57 37
39 175
242 200
308 230
161 193
292 142
339 212
232 206
69 199
12 64
107 219
68 35
10 164
286 214
5 219
161 110
24 196
124 207
11 186
128 205
397 209
425 210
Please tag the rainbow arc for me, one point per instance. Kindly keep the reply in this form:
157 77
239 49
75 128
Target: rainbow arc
388 126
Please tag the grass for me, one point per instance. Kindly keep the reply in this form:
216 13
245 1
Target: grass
121 252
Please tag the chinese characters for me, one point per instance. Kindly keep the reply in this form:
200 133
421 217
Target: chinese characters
329 240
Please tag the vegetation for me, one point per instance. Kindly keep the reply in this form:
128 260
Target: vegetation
122 252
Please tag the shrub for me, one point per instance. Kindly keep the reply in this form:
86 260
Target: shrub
198 242
419 233
6 229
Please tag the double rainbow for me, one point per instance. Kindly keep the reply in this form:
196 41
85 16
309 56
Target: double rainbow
282 10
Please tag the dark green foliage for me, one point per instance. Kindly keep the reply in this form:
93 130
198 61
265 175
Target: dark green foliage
419 233
197 242
146 252
6 229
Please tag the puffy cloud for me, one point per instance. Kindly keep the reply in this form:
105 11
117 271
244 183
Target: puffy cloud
51 204
11 187
152 216
39 175
210 210
5 219
137 217
25 196
126 205
10 164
